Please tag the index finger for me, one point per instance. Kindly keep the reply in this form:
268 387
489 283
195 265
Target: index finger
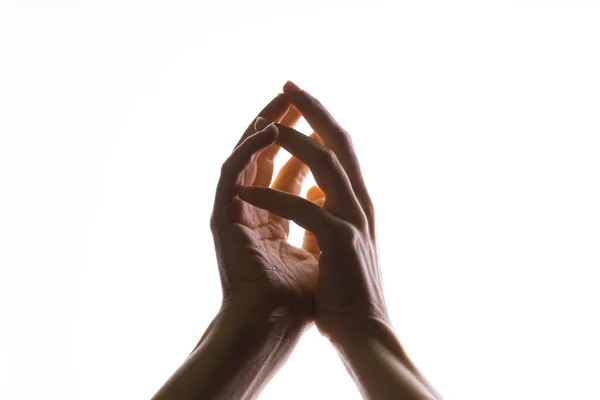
265 162
273 111
335 137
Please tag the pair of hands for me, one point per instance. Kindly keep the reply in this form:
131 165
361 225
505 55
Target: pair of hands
334 279
273 291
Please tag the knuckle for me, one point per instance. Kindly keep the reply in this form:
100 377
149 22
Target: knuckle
292 181
346 136
362 222
369 210
329 156
348 233
299 177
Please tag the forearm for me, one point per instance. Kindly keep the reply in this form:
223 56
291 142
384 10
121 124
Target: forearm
378 364
240 351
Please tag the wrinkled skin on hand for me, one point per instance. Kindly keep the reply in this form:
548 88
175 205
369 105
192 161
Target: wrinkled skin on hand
254 254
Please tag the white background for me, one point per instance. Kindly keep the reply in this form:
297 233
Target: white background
477 126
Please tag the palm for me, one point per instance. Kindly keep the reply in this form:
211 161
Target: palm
262 253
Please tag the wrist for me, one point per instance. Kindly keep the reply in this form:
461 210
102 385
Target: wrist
360 336
264 309
247 341
369 343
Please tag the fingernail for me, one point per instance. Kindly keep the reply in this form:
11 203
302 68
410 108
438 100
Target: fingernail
260 123
290 87
271 128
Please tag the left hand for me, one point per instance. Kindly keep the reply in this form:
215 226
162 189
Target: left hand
256 263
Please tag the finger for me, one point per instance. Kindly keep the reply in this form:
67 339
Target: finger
291 117
233 168
290 178
334 137
292 174
326 169
265 162
316 195
303 212
273 111
310 244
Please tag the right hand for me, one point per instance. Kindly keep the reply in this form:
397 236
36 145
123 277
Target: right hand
348 293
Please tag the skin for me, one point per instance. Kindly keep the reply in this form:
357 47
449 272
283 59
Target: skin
267 284
273 291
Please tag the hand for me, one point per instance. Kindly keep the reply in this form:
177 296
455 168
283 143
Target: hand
256 262
348 291
267 284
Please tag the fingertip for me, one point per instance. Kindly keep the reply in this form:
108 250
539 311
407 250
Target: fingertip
290 88
267 133
314 193
316 137
284 128
271 132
